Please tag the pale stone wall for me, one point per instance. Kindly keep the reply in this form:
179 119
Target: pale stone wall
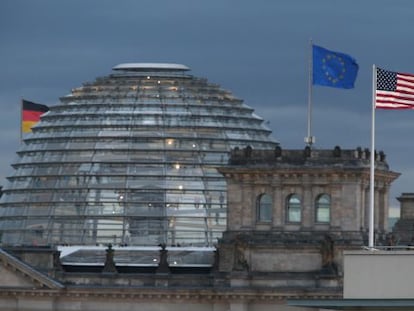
349 200
13 279
273 260
111 304
378 274
407 205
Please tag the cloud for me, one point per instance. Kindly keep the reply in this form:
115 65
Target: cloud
257 49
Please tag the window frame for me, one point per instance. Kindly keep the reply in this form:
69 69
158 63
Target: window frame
320 205
264 210
290 205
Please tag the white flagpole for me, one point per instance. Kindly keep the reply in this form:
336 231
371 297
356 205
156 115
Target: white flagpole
372 166
309 140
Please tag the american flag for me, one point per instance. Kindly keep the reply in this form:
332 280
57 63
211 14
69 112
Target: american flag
394 90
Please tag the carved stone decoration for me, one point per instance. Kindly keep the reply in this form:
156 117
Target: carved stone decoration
328 253
240 263
278 152
307 152
337 152
163 264
216 262
57 265
248 151
109 266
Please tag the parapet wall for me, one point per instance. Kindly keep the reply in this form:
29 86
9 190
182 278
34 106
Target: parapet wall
346 157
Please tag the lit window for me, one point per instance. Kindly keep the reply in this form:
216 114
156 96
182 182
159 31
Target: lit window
293 208
323 208
264 208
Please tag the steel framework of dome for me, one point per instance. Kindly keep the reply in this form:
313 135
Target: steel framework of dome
129 159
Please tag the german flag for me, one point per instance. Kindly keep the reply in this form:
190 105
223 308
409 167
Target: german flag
31 113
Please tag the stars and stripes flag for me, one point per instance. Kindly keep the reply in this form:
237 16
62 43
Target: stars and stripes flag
394 90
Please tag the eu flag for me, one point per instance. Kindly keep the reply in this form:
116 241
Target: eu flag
333 69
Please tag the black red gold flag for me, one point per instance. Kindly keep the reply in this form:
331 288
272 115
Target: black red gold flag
31 113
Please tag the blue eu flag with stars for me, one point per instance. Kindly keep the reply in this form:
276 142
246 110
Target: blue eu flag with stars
333 69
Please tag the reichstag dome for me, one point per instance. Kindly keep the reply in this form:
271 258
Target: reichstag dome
129 159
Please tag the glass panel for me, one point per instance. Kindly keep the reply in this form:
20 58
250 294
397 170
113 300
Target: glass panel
294 208
265 208
128 159
323 207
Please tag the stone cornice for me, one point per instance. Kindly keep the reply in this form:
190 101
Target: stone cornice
280 175
169 294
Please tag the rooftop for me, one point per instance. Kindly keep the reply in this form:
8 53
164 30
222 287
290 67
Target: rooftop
307 157
151 67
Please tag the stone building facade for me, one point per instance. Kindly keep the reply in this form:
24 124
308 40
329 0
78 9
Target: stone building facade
403 231
291 215
296 211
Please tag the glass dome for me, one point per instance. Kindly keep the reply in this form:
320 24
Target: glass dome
129 159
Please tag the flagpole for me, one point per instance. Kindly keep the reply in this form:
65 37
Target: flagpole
21 120
372 164
309 140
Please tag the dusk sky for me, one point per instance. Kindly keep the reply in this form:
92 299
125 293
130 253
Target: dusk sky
258 50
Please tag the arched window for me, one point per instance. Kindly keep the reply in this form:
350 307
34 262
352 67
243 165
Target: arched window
294 208
323 208
264 208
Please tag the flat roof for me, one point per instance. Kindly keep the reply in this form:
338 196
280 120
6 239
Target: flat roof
151 67
138 256
354 304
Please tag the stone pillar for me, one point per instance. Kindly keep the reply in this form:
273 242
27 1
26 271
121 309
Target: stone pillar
278 206
366 208
337 205
383 212
377 207
247 205
234 205
307 205
361 204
